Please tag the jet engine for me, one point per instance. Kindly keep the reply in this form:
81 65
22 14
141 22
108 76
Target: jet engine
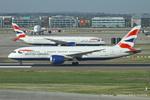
57 59
71 44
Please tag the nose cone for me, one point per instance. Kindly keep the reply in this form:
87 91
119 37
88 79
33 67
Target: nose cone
10 56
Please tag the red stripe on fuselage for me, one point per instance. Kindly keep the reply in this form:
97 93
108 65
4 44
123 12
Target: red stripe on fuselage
26 50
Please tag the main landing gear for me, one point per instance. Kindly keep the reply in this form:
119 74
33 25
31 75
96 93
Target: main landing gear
75 63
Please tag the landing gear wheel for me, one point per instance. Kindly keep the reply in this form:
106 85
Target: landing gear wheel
75 63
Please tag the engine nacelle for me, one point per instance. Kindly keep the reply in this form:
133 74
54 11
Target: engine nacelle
71 44
57 59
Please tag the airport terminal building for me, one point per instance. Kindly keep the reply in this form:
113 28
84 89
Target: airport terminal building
5 21
63 22
26 21
108 22
135 20
145 20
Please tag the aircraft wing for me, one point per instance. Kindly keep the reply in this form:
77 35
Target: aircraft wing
71 56
57 41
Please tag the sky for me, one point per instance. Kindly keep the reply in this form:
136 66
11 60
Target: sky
102 6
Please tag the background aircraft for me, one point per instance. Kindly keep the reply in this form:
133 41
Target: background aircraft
55 40
38 30
60 54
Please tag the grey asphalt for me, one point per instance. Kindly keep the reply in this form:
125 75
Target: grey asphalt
84 67
31 95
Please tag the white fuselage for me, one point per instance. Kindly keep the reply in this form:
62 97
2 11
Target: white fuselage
45 52
41 40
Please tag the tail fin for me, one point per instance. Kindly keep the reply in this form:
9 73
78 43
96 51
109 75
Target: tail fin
128 40
19 33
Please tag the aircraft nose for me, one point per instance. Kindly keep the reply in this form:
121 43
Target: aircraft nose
10 55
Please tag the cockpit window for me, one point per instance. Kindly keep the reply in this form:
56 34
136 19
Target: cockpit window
19 52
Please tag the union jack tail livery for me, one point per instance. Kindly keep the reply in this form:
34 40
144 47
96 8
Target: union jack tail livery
128 40
19 33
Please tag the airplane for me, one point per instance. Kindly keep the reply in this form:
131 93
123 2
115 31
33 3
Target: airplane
38 30
59 54
55 40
